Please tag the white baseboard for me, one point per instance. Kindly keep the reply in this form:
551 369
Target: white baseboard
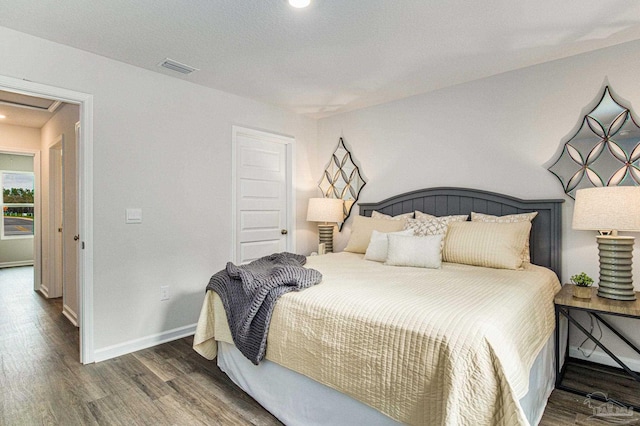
143 343
17 263
599 357
70 314
44 290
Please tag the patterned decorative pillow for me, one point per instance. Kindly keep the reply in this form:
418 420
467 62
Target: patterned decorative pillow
378 215
427 216
424 216
510 218
435 226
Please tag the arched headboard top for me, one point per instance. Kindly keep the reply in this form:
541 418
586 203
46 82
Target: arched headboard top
546 230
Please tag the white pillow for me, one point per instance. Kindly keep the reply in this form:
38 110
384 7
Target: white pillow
421 252
361 230
379 244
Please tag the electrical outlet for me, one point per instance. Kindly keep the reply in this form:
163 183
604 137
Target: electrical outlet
164 292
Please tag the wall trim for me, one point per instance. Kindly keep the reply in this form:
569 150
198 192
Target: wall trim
70 314
44 290
143 343
599 357
51 232
16 263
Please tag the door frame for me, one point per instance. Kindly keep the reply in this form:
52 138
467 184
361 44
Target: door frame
289 142
85 197
56 258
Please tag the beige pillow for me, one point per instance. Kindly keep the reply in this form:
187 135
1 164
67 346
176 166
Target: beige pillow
362 228
377 215
420 252
488 244
509 218
454 218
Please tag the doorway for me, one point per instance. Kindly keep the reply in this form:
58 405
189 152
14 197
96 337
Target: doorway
53 283
263 196
84 264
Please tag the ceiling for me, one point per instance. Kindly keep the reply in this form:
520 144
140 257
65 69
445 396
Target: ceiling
336 55
27 111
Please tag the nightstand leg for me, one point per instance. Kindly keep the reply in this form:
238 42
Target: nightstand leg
617 333
604 348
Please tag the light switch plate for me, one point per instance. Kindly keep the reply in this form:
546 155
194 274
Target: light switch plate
133 216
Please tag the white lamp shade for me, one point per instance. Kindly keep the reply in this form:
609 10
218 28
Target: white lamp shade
609 208
325 210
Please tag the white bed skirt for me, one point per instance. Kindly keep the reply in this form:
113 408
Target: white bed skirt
298 400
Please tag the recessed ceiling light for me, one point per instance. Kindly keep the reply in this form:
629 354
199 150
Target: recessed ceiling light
2 116
299 3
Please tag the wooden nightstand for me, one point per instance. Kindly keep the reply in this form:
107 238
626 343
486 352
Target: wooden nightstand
565 303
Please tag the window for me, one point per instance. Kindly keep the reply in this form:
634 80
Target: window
17 205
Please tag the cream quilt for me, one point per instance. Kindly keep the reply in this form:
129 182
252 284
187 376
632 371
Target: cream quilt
450 346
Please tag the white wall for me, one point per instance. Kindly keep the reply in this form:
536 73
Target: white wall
164 145
17 251
496 134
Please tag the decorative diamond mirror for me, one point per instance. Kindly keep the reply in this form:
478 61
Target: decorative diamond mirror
342 179
605 151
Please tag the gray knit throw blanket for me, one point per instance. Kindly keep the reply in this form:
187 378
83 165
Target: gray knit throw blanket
249 294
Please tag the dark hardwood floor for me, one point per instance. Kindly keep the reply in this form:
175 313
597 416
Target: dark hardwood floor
42 382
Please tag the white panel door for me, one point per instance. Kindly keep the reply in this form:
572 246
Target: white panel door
262 195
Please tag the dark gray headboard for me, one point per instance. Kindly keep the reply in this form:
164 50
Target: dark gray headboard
546 230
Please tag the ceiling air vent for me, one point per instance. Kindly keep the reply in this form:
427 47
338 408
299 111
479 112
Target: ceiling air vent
172 65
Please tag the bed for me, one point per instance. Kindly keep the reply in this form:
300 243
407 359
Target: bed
378 344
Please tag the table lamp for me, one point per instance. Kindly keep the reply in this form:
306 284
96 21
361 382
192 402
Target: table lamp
608 210
325 210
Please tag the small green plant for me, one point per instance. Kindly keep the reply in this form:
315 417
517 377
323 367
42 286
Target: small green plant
582 280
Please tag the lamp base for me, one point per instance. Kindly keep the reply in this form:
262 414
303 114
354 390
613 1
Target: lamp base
616 259
326 237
